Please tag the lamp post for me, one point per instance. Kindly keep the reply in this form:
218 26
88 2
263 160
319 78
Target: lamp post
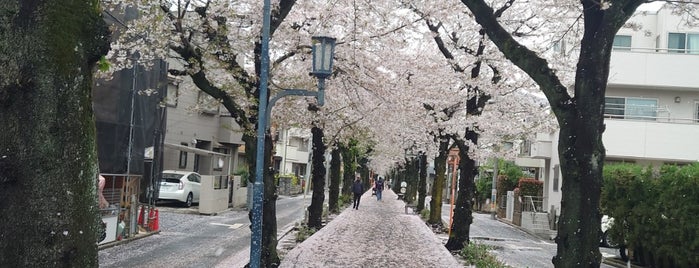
323 49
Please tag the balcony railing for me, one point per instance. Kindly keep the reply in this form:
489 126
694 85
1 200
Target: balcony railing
645 113
657 50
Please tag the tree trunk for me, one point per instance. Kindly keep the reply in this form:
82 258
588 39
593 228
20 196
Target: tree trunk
437 188
582 157
315 210
48 157
334 187
269 204
461 223
580 118
422 183
348 169
412 178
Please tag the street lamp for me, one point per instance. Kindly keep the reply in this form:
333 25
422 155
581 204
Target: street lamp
323 50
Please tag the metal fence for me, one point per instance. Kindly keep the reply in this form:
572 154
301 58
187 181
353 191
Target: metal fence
533 203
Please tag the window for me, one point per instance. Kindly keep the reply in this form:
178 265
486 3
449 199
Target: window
173 92
683 43
183 157
631 108
556 177
614 107
300 143
622 42
644 109
194 178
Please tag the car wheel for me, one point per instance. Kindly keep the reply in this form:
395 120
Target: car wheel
608 241
190 198
623 253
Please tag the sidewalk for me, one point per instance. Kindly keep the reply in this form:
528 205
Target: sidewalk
379 234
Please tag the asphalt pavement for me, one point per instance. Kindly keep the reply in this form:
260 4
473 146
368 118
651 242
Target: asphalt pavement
188 239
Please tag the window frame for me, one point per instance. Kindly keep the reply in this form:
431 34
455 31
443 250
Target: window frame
623 110
622 48
685 46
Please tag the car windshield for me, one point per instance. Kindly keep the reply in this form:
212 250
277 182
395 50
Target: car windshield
171 177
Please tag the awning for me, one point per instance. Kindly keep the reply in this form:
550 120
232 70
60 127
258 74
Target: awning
193 150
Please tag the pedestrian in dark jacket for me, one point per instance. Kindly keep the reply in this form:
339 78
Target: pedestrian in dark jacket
358 190
379 188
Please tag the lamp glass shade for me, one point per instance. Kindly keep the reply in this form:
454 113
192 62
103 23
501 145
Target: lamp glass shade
323 49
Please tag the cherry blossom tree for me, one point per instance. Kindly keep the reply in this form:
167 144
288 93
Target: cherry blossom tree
579 112
48 160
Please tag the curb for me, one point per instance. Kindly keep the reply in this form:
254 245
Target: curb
127 240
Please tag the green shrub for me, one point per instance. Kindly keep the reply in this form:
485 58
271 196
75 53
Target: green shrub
484 187
303 232
512 173
244 175
531 187
654 211
344 200
425 214
294 179
477 254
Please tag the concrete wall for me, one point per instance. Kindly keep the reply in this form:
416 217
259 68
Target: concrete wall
214 194
239 193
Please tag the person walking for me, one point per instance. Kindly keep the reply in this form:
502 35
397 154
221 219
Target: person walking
379 188
358 190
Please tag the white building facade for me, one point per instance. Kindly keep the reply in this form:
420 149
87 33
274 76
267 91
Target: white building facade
293 152
651 103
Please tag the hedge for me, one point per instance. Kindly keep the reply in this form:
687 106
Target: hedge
655 212
531 187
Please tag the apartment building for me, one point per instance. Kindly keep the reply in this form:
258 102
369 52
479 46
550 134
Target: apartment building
199 135
293 152
652 99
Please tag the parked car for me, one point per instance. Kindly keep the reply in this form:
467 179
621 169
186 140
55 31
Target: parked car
607 241
182 186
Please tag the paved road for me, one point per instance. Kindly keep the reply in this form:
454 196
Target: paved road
512 245
193 240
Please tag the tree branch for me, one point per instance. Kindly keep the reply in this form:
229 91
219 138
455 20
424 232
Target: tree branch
536 67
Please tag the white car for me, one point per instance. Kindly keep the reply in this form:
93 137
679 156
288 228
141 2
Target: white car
607 223
182 186
607 241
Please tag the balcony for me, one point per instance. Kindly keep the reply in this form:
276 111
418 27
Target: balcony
654 68
658 140
541 148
